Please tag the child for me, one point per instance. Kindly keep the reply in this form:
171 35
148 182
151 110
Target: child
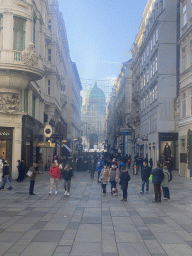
32 179
104 177
165 182
124 179
114 178
67 175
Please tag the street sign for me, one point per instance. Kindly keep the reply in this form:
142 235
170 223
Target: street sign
125 131
56 136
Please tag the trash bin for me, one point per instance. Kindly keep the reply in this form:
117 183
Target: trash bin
135 169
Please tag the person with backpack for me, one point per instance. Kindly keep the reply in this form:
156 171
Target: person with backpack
104 177
114 178
124 180
165 182
99 166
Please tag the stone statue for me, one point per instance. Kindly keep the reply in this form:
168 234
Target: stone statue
10 105
29 56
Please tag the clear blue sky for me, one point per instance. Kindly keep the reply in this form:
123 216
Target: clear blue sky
100 34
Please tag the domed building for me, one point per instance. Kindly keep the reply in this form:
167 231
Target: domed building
94 118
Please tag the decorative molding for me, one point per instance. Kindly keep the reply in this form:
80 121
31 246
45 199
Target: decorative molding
10 105
29 56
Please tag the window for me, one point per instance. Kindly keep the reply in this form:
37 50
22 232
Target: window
153 40
19 33
144 57
142 61
144 103
33 106
155 92
49 55
150 97
156 64
151 45
147 74
184 15
151 71
184 105
49 87
26 100
141 105
49 27
156 35
183 59
147 100
148 51
144 80
1 31
141 82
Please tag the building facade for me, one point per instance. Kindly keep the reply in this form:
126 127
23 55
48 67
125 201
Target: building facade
34 74
155 81
184 101
119 130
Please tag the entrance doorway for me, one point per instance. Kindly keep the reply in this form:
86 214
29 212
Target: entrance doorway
93 140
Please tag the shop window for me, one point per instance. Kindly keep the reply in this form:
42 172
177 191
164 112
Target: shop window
26 100
33 106
3 147
19 33
1 32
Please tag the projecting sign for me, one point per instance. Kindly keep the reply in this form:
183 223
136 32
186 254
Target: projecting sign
48 131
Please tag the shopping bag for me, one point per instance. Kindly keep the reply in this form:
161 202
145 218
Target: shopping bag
151 177
29 173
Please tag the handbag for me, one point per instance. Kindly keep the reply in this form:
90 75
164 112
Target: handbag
29 173
151 177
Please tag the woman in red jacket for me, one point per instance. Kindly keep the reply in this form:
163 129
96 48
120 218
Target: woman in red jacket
55 174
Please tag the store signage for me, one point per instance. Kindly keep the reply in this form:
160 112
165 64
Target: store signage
43 144
56 136
48 131
6 133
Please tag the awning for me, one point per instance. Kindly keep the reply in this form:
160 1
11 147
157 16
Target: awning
63 145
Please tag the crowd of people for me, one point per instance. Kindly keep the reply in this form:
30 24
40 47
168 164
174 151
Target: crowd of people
111 169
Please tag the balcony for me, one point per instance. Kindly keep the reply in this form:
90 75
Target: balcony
18 68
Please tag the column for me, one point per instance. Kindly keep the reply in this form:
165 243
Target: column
7 31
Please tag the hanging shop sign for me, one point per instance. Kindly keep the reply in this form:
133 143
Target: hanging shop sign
43 144
48 131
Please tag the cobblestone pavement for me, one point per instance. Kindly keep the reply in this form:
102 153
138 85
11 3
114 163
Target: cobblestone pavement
88 224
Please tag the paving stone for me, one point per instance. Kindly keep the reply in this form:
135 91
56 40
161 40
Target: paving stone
89 233
37 249
39 225
177 249
168 238
128 237
154 247
48 236
90 220
152 220
86 249
130 249
10 237
4 247
63 249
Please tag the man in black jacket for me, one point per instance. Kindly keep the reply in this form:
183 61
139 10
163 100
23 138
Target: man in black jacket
158 177
145 173
6 175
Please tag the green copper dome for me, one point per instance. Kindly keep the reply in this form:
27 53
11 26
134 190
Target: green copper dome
95 93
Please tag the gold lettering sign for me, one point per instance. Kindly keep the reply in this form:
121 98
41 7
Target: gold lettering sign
44 144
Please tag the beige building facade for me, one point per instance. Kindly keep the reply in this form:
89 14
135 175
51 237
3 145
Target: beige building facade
36 74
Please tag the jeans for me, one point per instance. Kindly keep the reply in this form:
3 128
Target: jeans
52 180
4 179
104 188
166 192
99 172
113 185
157 190
125 194
67 184
143 185
32 184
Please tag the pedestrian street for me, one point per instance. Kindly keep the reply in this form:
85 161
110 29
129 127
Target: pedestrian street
89 224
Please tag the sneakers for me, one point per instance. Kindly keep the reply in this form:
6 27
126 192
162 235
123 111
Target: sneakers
10 188
147 192
104 194
55 192
65 193
141 192
50 193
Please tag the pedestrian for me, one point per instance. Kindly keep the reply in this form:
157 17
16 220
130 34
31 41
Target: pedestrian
121 164
145 174
1 169
92 169
40 165
6 175
99 166
67 175
114 178
124 180
129 162
22 168
158 177
104 177
151 163
32 178
165 182
55 174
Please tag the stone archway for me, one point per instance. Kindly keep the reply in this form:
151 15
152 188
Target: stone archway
93 138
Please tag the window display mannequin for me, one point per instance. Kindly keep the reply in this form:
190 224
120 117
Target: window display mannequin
167 152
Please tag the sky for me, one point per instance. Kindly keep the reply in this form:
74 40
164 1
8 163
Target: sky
100 35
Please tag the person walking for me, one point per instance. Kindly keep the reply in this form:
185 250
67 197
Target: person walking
114 178
32 179
158 177
67 175
1 169
6 175
40 165
99 166
145 174
55 174
104 177
124 180
165 182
